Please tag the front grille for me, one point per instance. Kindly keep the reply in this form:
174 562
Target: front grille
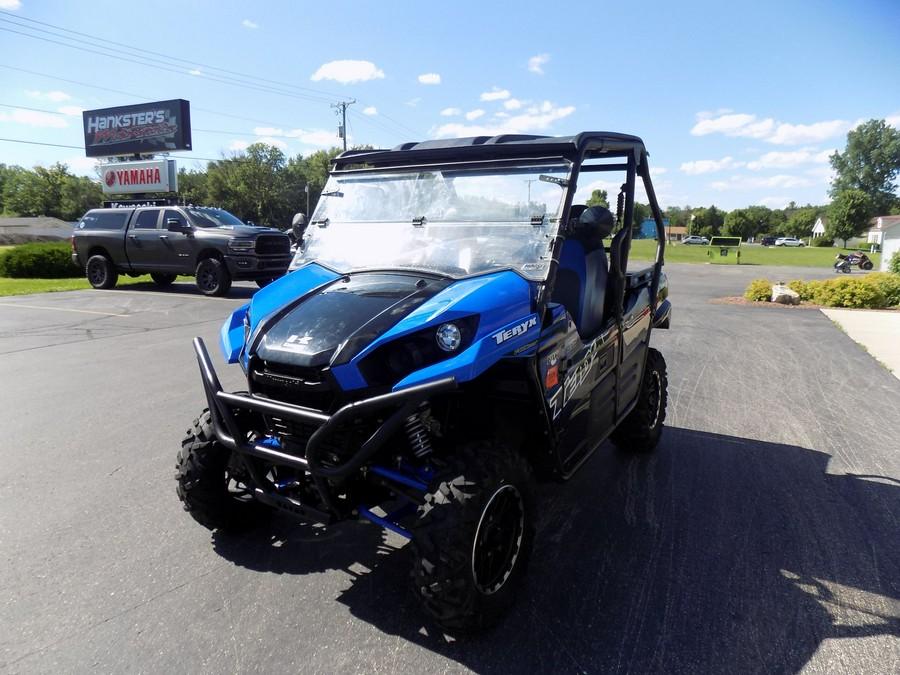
273 244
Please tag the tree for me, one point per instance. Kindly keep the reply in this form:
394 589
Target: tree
870 163
801 222
192 187
706 222
848 215
740 223
251 185
598 198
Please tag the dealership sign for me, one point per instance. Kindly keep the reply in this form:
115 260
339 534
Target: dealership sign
139 177
147 128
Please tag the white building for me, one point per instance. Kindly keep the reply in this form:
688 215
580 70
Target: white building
879 225
889 228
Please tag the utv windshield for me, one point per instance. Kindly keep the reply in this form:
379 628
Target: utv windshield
454 222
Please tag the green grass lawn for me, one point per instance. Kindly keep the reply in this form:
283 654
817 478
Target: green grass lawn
642 249
751 254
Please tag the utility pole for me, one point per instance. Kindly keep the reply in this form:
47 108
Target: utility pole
342 129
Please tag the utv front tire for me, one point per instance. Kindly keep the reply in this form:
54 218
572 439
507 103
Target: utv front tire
100 272
473 539
213 277
212 484
642 427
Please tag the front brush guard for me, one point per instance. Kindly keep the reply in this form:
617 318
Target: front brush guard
228 432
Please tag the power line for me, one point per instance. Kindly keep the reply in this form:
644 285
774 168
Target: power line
167 65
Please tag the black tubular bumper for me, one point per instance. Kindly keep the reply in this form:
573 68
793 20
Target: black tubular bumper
398 406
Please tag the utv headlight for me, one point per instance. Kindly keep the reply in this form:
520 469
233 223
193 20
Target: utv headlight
393 361
448 337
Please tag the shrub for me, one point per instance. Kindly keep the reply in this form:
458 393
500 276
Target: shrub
845 292
759 289
894 264
823 242
888 285
800 288
52 260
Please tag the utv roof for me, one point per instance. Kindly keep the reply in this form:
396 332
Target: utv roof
588 144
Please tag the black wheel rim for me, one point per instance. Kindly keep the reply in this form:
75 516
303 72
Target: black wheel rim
96 274
208 278
498 539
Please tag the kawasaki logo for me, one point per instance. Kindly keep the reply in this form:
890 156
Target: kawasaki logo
515 331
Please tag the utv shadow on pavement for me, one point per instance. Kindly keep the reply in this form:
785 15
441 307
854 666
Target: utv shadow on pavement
753 561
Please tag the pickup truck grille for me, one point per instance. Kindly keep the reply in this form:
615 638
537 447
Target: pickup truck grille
273 244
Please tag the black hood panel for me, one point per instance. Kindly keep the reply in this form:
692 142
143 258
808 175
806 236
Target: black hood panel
345 316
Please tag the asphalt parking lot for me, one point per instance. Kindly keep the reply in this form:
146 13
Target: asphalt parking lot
761 536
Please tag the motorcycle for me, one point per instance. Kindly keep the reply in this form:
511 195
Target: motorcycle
843 263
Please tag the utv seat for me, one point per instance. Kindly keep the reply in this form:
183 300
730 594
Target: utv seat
581 277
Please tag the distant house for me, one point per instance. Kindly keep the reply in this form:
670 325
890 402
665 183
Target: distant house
890 240
648 229
819 228
40 228
879 225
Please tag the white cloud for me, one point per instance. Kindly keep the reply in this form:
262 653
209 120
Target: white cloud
786 160
709 166
412 103
514 104
535 119
744 125
10 4
238 146
370 110
268 131
348 72
320 139
268 140
893 121
54 96
195 71
429 78
71 110
474 114
249 24
450 112
494 94
33 118
536 63
781 181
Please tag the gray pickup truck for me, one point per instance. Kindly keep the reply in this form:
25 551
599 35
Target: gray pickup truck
166 241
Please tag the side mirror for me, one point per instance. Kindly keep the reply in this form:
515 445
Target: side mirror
175 225
298 226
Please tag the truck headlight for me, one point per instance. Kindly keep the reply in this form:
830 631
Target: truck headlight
240 245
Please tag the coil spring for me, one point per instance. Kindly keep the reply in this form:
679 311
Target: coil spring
417 435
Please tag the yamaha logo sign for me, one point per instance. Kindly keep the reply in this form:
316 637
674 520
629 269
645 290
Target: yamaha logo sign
139 177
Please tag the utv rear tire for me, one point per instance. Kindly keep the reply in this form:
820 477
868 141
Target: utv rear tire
100 272
212 484
213 277
163 280
473 539
641 429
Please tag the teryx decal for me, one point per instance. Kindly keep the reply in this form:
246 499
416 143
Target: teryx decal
508 334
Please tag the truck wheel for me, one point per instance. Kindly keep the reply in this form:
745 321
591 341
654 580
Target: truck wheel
213 278
100 271
212 484
163 280
866 265
641 429
473 537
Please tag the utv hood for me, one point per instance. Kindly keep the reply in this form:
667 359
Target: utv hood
335 322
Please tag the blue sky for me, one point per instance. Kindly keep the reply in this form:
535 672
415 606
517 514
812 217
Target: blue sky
738 103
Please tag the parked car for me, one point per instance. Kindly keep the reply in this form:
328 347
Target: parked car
788 241
695 239
768 241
